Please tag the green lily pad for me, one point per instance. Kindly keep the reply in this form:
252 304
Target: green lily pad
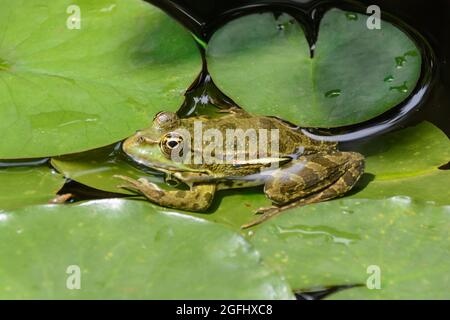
349 241
263 63
407 163
96 169
24 186
168 256
68 90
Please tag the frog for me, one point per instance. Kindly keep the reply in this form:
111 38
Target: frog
300 171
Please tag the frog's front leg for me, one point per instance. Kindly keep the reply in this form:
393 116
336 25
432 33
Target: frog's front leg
310 179
198 198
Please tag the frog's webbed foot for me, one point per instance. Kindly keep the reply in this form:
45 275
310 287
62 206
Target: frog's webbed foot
267 213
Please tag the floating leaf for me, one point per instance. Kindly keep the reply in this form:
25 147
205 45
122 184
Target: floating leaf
125 250
352 241
96 169
407 163
66 90
24 186
263 63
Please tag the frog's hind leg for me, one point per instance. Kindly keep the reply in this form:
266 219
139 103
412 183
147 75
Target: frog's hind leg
335 182
198 198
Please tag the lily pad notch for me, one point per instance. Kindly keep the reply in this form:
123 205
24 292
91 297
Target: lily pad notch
356 73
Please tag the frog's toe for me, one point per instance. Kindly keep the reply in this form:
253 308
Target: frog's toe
128 187
125 178
264 210
147 184
130 184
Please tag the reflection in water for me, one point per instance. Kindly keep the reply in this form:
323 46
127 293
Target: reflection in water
23 163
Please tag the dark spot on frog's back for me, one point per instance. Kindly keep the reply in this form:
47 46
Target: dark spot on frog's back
228 125
349 180
265 123
208 196
325 162
288 187
181 194
310 175
228 183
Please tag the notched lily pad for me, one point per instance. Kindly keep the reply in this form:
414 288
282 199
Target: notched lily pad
168 256
67 90
405 244
263 62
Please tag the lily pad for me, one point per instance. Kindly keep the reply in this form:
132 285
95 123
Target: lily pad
67 90
263 62
353 241
168 256
96 169
407 163
23 186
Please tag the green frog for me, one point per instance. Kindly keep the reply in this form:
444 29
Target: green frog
294 169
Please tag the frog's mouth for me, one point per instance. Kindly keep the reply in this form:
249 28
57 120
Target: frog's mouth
161 167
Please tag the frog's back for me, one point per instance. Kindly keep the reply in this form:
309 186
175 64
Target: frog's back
289 138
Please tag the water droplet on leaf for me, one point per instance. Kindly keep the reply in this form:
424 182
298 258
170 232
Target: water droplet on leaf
389 78
403 88
351 16
333 93
400 61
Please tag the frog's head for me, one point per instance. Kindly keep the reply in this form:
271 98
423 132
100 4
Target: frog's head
156 146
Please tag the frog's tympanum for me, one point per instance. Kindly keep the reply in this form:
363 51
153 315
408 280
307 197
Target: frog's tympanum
238 150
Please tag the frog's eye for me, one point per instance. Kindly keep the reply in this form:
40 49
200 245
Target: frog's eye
172 143
166 119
